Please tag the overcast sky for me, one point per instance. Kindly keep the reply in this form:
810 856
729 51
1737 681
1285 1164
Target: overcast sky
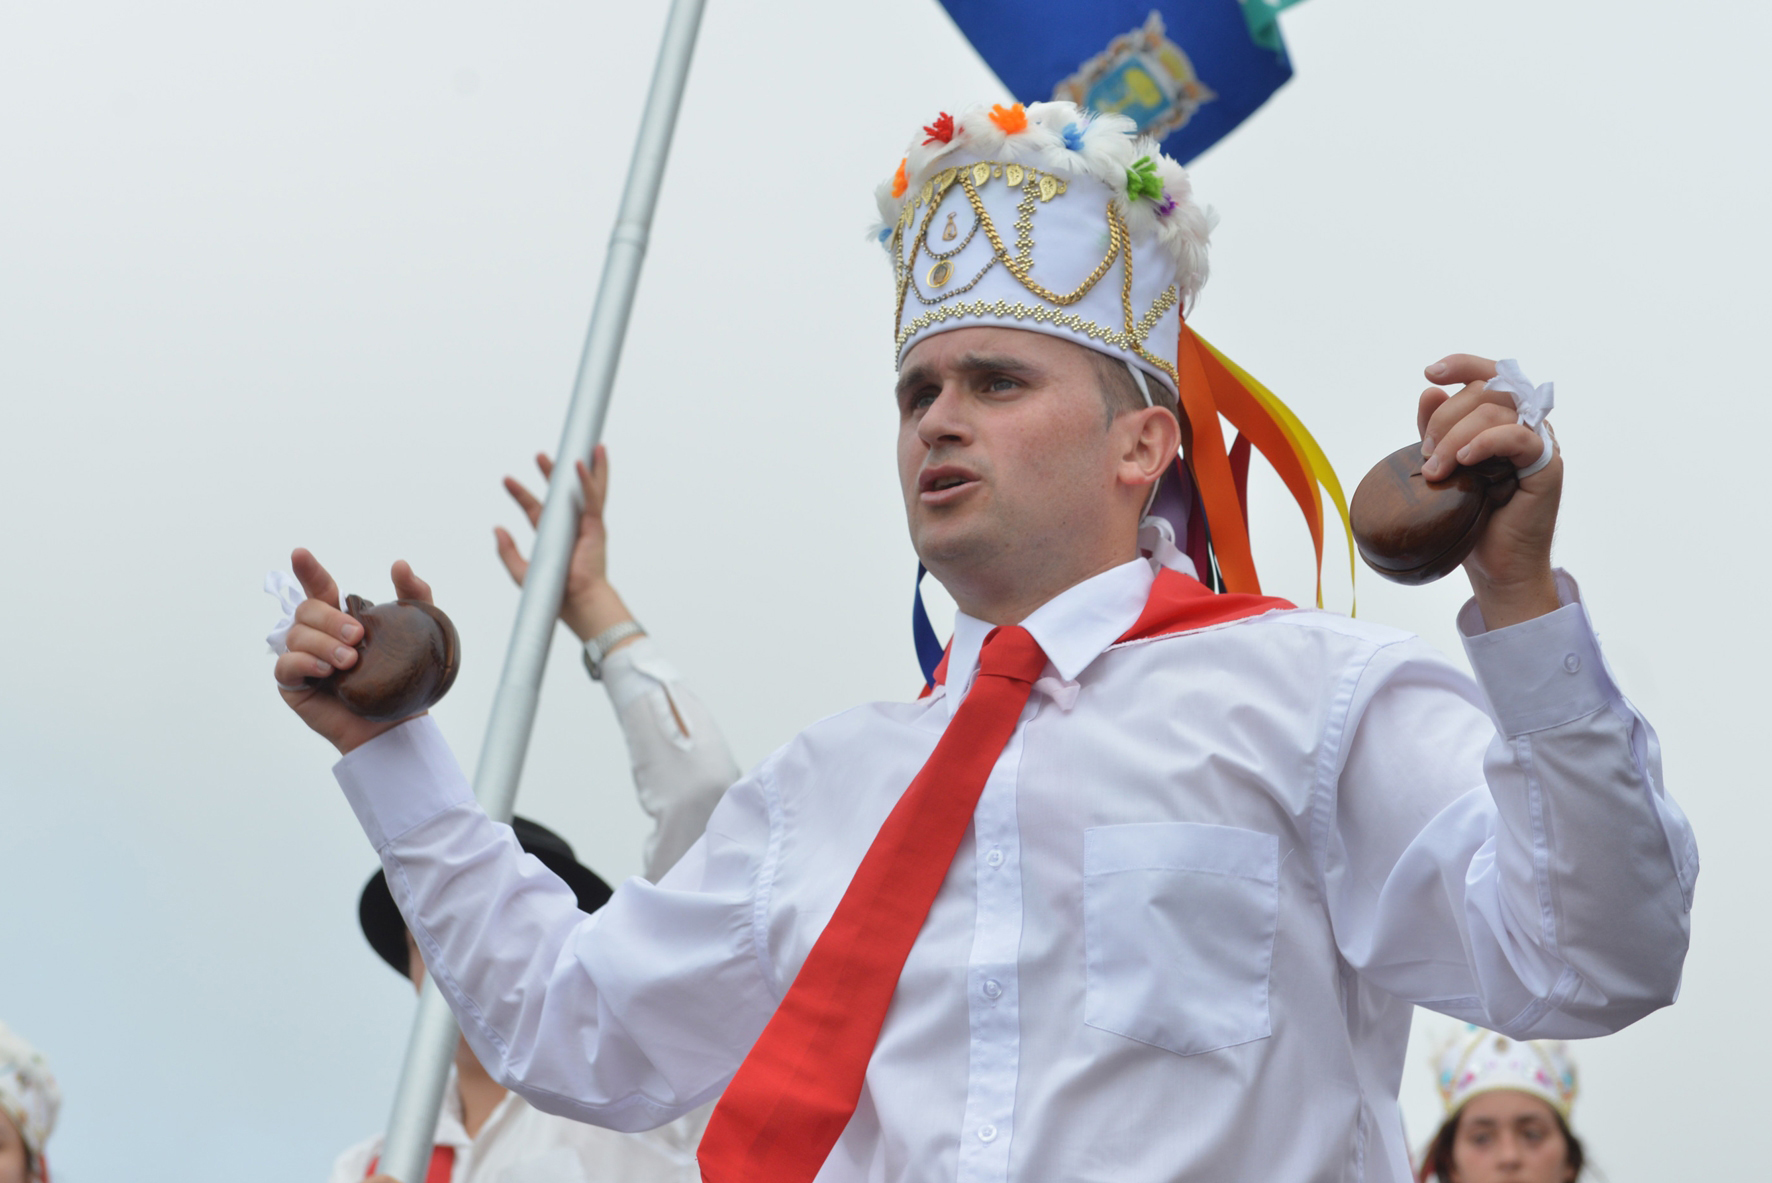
318 275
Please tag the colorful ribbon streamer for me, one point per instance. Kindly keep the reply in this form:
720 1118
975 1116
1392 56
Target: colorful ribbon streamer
1300 451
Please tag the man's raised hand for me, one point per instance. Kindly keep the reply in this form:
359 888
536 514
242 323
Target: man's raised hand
590 604
322 639
1510 567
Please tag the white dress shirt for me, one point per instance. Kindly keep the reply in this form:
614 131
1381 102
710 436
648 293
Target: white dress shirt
681 767
1208 876
521 1144
681 762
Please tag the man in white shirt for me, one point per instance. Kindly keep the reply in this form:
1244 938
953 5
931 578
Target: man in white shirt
1211 850
681 766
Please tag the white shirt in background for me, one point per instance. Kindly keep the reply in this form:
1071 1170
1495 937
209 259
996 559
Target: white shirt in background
681 767
521 1144
1206 881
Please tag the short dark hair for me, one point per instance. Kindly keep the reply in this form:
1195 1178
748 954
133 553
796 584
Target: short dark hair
1438 1163
1119 390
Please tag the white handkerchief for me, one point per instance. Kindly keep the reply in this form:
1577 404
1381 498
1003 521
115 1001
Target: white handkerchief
1531 402
1534 402
289 594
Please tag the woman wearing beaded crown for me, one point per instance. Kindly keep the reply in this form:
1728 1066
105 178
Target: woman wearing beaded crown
1507 1112
29 1102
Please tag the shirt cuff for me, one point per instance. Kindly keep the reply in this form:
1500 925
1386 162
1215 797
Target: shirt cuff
634 669
401 778
1540 673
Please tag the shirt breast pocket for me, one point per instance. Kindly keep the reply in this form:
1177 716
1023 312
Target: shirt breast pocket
1178 933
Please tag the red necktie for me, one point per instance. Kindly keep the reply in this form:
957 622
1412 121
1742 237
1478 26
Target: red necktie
797 1089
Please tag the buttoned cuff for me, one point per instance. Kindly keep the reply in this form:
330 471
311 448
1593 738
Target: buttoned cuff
401 778
1543 672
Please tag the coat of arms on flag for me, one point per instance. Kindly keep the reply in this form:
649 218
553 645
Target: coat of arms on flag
1142 75
1185 71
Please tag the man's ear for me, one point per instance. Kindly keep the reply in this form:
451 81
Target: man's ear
1151 446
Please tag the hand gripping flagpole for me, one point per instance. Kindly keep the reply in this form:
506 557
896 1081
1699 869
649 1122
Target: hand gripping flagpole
406 1152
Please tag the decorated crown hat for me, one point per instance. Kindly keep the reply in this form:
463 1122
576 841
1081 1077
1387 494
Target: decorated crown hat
1049 218
1059 220
28 1092
1479 1061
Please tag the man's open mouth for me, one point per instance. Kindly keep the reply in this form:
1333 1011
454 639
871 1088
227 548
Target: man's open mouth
941 479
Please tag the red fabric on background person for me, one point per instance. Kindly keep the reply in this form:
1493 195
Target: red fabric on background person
441 1168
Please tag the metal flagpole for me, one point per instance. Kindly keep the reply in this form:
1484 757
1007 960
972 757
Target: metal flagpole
406 1152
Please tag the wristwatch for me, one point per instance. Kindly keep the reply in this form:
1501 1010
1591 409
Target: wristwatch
597 648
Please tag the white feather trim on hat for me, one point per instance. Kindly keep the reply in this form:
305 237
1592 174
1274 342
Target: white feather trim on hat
1069 141
1095 144
1184 227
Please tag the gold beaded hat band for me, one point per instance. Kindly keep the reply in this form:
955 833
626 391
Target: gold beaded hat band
1047 218
1478 1061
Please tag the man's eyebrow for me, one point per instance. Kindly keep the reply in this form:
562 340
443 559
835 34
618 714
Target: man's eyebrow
911 379
971 363
995 363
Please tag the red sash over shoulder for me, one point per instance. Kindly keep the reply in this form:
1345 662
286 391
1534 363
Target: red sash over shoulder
1180 603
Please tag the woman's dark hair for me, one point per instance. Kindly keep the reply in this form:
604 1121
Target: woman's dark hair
1438 1163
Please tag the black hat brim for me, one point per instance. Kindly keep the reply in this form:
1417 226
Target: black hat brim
385 928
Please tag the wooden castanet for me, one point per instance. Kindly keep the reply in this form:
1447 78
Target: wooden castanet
1413 530
406 661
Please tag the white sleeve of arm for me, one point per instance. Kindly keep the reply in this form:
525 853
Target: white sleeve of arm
681 762
627 1018
1509 855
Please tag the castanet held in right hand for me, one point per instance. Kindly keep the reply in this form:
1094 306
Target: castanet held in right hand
323 639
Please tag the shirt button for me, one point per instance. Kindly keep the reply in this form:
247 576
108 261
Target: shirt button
993 988
1572 663
995 857
987 1133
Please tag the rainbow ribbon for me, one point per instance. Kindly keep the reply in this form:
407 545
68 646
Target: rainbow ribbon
1277 433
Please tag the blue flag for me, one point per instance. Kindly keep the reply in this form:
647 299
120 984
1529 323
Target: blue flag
1186 71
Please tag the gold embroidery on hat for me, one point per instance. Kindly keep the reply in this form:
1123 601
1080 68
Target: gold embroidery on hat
907 267
950 252
1041 187
1045 314
1024 230
1019 264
